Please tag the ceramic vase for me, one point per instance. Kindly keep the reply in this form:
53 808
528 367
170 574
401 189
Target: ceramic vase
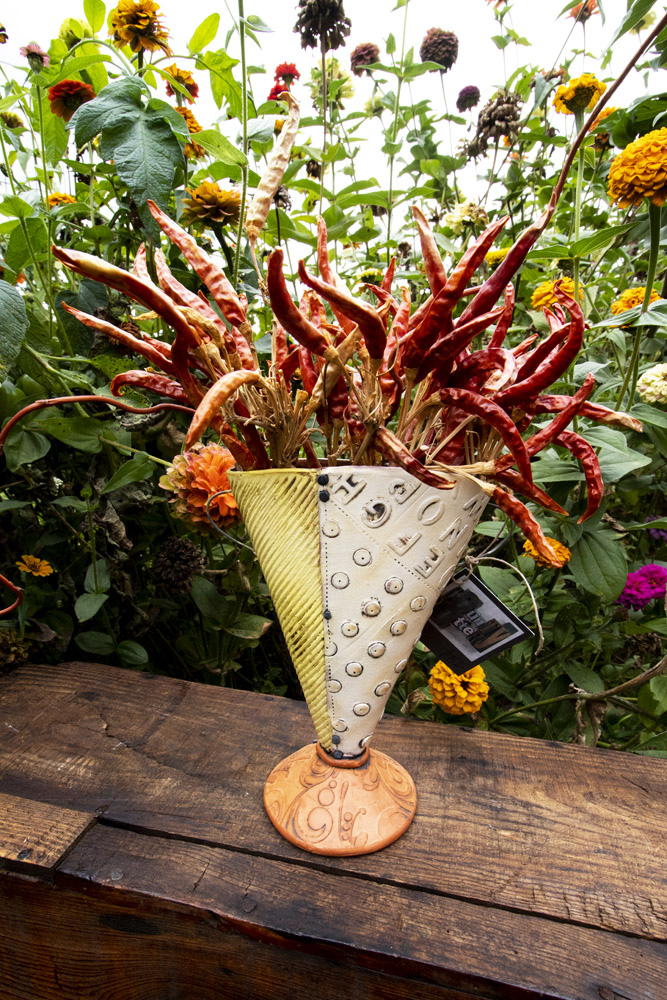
355 557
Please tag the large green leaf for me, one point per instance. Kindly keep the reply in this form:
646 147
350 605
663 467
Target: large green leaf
54 135
249 626
18 251
204 34
598 564
95 12
615 457
650 415
99 643
223 85
119 96
13 324
23 446
584 677
219 146
72 66
633 17
87 606
146 153
137 469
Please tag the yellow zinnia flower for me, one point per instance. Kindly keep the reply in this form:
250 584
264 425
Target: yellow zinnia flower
495 257
630 298
34 566
640 171
458 694
209 205
544 294
580 94
136 23
192 150
561 550
59 198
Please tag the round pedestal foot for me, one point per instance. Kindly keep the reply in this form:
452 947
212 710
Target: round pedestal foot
329 808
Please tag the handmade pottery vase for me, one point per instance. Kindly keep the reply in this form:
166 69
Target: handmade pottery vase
355 557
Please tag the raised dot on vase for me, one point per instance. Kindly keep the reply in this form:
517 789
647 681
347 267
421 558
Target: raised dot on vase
417 603
361 708
401 665
331 529
353 669
330 649
349 628
394 585
340 725
371 608
398 628
340 581
362 557
334 686
376 649
382 688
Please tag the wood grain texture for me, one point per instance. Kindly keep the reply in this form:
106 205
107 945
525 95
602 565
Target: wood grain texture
161 917
35 836
569 833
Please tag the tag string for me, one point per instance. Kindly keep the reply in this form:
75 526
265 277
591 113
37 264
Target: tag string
473 561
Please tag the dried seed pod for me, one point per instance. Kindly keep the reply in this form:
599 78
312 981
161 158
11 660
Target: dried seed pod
273 175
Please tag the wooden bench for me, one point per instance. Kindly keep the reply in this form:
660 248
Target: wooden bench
138 862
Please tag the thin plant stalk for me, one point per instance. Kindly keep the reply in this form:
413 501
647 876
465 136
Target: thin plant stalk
579 120
394 131
244 122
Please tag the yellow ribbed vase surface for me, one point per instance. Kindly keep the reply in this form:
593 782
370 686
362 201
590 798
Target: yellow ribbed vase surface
280 510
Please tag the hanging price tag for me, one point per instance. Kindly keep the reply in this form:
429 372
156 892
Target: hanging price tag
469 624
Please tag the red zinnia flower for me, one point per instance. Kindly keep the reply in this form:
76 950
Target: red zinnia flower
287 72
276 90
68 95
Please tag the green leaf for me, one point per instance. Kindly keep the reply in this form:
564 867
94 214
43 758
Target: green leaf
658 625
633 17
214 607
204 34
13 325
23 447
146 153
18 251
134 471
657 742
584 677
12 505
615 457
598 564
249 626
599 241
95 642
390 45
220 147
132 654
223 85
659 523
82 433
650 415
95 13
16 207
89 120
87 606
79 62
97 580
256 23
175 121
54 135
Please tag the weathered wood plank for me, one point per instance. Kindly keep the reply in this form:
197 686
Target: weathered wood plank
35 836
571 833
166 906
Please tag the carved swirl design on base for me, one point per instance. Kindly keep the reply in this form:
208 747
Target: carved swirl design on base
332 810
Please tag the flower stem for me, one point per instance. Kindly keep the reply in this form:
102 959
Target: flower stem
579 120
244 122
325 101
394 131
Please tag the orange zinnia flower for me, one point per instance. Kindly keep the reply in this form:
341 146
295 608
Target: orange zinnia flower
585 10
68 95
194 477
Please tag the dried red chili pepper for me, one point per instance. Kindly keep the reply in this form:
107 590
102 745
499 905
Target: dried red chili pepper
594 411
433 265
215 398
286 312
473 371
522 517
389 276
493 415
398 328
546 434
15 590
585 453
361 313
508 477
146 350
386 442
327 273
150 381
447 347
505 320
253 439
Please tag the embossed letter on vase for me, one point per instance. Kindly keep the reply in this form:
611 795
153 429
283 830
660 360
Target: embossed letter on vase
355 557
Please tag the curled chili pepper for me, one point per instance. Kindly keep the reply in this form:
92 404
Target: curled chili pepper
146 350
328 274
452 342
473 371
214 399
522 517
286 312
594 411
585 453
505 320
508 477
389 276
435 269
391 448
364 315
547 434
148 380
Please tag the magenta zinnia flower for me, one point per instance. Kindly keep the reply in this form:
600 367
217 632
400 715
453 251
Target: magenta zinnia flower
643 586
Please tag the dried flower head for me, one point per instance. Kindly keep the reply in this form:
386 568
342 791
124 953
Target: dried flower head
584 10
192 150
186 80
363 56
322 22
314 169
441 47
194 477
13 649
175 564
468 98
652 384
561 551
210 205
37 58
458 694
465 212
60 198
640 171
545 295
643 586
11 120
632 297
35 566
136 23
580 94
281 198
287 73
498 118
68 95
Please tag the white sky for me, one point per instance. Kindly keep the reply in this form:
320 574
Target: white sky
479 62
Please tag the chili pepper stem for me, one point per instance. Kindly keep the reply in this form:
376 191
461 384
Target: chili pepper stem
631 375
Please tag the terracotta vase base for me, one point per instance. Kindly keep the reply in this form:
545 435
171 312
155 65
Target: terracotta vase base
340 808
